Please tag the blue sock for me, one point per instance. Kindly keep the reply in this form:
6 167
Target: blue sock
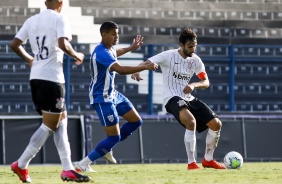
104 147
127 129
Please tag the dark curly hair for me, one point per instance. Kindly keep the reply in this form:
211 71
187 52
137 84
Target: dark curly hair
187 35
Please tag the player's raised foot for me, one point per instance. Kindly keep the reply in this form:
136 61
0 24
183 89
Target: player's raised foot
193 166
82 168
74 176
109 156
212 164
22 173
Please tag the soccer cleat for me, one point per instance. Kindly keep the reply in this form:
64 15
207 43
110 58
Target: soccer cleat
193 166
22 173
109 156
212 164
82 168
72 175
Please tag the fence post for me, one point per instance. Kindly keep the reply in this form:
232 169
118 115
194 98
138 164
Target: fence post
150 82
67 81
231 78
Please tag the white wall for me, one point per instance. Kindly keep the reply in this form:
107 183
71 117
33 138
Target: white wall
82 26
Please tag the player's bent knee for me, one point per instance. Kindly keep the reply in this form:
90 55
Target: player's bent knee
139 122
215 124
114 139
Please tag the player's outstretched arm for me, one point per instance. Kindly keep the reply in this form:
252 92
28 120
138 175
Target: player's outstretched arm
137 42
123 70
65 45
136 76
16 46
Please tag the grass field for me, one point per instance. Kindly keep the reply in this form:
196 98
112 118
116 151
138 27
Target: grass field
250 173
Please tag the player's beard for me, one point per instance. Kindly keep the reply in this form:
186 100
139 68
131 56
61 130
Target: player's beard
187 53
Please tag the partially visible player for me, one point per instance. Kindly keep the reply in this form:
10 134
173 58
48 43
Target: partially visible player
49 35
105 99
178 66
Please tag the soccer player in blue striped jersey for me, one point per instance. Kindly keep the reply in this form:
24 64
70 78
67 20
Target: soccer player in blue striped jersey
105 99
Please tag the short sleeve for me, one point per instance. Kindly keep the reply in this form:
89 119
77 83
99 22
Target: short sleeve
159 58
200 67
63 28
23 32
105 57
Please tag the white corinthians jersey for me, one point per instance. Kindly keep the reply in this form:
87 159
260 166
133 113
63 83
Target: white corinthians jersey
43 31
177 72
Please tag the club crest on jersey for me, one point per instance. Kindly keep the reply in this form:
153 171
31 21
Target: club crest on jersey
190 64
111 118
60 103
181 103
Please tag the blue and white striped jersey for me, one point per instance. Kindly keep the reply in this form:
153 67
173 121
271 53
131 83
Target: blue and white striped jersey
102 87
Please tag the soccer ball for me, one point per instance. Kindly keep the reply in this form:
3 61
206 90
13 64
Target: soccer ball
233 160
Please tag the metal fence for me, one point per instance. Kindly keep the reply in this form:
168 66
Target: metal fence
243 78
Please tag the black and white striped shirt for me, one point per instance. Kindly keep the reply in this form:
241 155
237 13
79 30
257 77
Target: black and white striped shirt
177 72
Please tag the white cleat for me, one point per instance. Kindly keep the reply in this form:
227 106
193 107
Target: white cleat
81 168
109 156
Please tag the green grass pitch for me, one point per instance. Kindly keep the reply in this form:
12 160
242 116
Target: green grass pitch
250 173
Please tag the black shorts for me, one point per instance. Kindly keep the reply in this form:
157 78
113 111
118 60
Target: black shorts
202 113
48 96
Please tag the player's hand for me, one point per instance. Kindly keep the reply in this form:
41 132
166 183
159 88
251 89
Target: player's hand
79 58
152 66
30 61
189 88
137 42
136 76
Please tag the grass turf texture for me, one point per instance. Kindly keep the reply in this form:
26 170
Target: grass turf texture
250 173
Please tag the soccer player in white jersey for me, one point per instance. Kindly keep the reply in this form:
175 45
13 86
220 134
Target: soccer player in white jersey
178 66
105 99
49 35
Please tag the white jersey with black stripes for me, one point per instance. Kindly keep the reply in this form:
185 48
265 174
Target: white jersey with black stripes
177 72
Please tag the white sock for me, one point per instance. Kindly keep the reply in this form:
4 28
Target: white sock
211 143
36 141
190 145
63 146
85 161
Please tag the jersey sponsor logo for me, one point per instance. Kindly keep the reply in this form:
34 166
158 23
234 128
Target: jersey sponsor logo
181 103
111 118
181 77
60 103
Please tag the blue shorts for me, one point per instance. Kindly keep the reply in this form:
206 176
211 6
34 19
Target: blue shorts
109 112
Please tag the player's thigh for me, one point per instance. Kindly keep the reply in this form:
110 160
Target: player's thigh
126 109
51 120
107 113
203 114
132 116
112 130
187 119
179 109
108 117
